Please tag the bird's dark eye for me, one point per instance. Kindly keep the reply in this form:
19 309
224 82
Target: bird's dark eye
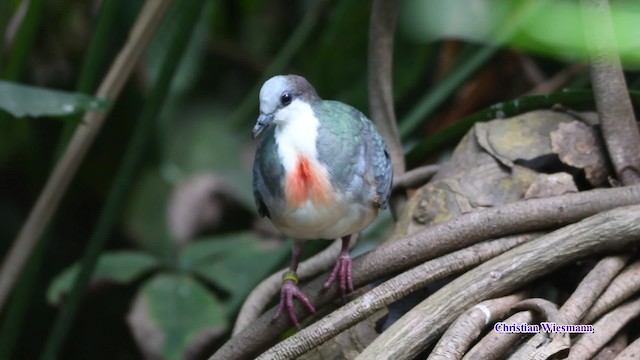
285 98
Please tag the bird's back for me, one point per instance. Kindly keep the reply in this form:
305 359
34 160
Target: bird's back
354 153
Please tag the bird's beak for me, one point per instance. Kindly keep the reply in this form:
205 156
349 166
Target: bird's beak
263 121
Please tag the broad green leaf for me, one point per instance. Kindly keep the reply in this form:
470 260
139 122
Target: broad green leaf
120 267
236 263
23 100
173 315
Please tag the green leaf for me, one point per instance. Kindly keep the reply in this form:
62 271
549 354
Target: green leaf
145 216
194 146
23 100
235 263
173 315
120 267
213 248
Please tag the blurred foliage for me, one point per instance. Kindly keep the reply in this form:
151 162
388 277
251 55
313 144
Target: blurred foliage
176 305
555 28
119 267
450 61
20 100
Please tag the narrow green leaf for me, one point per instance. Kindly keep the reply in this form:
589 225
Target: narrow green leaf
179 312
119 267
23 100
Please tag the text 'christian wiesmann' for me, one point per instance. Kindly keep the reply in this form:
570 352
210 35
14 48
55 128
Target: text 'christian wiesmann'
547 327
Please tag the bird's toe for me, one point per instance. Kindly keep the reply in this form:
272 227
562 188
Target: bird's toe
288 293
342 272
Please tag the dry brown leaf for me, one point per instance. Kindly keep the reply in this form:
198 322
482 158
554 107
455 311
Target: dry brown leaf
546 185
579 145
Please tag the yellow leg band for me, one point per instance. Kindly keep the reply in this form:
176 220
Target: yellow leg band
290 275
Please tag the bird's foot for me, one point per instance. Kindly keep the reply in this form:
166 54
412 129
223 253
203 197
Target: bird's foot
343 271
288 292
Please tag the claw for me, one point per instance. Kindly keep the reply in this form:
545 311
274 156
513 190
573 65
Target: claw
288 292
343 271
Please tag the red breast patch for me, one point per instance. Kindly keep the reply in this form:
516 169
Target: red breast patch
307 182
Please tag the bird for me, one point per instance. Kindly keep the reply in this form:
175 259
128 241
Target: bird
321 171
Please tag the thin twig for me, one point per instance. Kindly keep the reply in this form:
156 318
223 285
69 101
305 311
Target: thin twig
434 241
415 177
610 230
75 152
14 24
558 80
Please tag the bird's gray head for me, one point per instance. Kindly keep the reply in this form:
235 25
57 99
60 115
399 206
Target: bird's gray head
277 94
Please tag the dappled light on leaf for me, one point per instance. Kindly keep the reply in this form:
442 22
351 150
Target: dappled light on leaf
23 100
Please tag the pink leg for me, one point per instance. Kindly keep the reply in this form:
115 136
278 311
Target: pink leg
290 289
342 269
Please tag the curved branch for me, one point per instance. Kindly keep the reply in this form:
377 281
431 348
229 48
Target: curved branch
618 122
380 57
548 310
614 229
464 331
620 289
630 352
613 348
577 304
547 346
436 240
495 344
604 330
381 30
591 287
388 292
